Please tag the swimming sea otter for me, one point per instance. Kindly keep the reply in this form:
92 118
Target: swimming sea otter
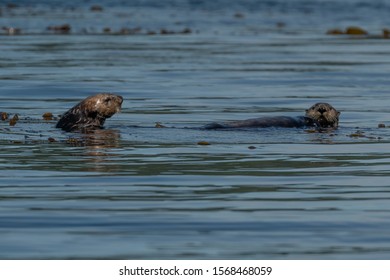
320 115
91 113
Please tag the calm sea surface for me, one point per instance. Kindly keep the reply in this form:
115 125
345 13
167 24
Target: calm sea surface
133 191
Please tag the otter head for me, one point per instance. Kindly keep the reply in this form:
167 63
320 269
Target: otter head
103 105
91 112
324 114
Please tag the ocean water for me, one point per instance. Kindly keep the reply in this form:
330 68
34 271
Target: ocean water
134 191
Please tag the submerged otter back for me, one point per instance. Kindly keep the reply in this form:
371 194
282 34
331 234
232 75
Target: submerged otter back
278 121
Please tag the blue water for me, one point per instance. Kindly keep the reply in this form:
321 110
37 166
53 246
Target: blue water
133 191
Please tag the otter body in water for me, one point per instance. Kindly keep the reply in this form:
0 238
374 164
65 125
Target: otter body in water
91 112
320 115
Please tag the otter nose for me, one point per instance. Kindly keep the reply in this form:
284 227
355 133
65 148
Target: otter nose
322 110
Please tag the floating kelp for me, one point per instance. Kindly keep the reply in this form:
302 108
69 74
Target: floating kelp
48 116
14 120
62 29
352 30
159 125
4 116
355 31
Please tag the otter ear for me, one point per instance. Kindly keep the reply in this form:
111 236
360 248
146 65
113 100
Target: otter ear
307 110
338 113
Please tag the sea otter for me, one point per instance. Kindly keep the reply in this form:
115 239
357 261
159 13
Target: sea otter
320 115
91 112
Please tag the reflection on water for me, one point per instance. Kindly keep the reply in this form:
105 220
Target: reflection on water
96 139
136 191
98 149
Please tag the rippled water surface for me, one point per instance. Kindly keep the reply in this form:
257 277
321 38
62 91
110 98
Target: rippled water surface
136 191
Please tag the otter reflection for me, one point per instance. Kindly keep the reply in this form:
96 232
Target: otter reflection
96 139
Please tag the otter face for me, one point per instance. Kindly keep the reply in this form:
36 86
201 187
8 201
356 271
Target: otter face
324 114
104 104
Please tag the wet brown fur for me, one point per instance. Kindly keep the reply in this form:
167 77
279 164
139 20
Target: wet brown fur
91 112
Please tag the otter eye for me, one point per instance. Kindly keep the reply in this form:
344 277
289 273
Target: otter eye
107 99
